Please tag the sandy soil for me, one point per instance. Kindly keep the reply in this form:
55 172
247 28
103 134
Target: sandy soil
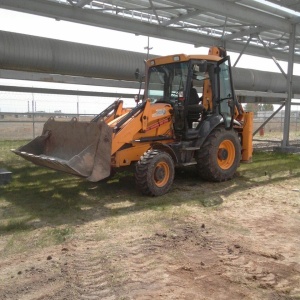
247 247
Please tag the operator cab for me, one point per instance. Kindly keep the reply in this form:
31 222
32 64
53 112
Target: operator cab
197 88
179 84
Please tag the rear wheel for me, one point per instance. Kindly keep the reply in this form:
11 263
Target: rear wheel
154 173
220 155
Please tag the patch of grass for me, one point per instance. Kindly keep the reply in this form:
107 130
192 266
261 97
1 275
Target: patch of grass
14 226
59 235
6 155
26 240
271 165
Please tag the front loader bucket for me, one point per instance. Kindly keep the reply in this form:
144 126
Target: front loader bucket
78 148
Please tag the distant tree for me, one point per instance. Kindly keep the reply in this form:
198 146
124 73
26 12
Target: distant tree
266 107
254 107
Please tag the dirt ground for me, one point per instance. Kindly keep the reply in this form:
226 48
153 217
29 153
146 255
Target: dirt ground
246 247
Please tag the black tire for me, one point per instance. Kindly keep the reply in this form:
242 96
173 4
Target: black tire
219 156
154 173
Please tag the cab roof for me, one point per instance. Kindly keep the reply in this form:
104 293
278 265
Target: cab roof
180 58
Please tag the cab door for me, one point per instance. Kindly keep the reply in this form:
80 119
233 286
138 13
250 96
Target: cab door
226 96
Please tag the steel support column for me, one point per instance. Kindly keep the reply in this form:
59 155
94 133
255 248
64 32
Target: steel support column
287 115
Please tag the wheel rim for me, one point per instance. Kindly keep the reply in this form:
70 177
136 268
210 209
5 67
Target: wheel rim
226 154
161 174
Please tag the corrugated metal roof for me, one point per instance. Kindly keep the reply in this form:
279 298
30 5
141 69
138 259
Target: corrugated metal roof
225 21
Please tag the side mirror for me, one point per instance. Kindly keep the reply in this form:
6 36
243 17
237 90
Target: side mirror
137 74
137 99
139 78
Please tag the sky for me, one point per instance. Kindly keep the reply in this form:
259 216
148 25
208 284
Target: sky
48 27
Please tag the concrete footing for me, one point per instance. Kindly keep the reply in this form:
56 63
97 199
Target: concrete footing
287 149
5 176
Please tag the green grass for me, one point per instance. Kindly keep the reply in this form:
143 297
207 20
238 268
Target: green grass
270 165
42 207
14 225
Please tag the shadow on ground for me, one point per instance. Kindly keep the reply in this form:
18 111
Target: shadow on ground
54 198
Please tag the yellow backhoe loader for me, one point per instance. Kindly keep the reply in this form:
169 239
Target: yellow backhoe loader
171 127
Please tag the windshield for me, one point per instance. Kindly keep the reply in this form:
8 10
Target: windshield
166 81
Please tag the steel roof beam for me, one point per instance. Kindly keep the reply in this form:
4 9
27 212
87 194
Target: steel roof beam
181 18
82 3
154 11
239 12
71 2
275 10
242 33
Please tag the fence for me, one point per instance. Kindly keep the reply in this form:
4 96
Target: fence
22 115
275 126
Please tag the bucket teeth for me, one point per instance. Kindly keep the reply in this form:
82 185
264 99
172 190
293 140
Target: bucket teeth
52 163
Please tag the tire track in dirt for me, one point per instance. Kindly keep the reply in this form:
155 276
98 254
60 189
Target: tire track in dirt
87 271
208 255
205 263
185 262
146 276
264 258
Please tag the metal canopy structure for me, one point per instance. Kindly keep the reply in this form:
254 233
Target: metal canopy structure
268 29
262 26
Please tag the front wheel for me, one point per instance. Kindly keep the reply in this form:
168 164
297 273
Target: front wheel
220 155
154 173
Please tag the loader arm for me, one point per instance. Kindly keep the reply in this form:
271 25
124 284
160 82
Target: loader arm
134 133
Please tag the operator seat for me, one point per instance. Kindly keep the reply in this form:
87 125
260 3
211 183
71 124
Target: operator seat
195 108
194 98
